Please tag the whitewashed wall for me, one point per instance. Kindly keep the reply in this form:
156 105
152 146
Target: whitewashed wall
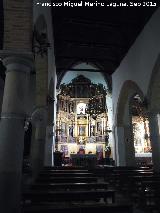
140 60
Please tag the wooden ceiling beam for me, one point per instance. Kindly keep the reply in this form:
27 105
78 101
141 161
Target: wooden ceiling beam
90 44
99 23
81 58
83 70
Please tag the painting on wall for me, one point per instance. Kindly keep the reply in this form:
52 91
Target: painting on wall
141 135
82 130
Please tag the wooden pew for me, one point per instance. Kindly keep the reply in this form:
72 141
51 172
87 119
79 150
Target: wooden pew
69 186
123 178
121 170
148 195
102 208
131 167
68 196
64 168
60 179
66 174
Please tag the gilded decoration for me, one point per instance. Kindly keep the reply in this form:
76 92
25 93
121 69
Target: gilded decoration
82 118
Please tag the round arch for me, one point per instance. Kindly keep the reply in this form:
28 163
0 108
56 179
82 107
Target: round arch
128 90
124 144
107 77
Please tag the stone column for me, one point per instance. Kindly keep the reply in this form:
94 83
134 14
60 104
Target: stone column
12 131
119 146
129 145
114 155
39 116
38 150
125 155
48 160
155 140
50 129
39 119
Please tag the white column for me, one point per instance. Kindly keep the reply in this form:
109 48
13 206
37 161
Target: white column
113 144
129 145
12 131
120 146
155 139
125 155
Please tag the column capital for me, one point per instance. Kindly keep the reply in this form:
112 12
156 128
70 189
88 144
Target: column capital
16 61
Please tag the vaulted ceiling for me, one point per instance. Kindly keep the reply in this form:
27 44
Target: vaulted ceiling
101 35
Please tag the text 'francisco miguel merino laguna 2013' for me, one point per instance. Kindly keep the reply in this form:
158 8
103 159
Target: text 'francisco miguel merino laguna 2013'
72 4
99 4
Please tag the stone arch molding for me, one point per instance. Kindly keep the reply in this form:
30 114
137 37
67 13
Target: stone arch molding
123 129
38 117
106 77
153 94
128 90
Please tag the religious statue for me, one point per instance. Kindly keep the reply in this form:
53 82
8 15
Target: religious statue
71 131
107 151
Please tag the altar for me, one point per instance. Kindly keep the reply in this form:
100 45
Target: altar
82 122
86 160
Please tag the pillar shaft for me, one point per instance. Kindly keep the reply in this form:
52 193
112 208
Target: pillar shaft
129 146
120 148
38 146
39 120
155 140
12 132
38 149
48 161
124 146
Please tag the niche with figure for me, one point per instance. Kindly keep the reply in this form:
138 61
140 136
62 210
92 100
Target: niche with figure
140 126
